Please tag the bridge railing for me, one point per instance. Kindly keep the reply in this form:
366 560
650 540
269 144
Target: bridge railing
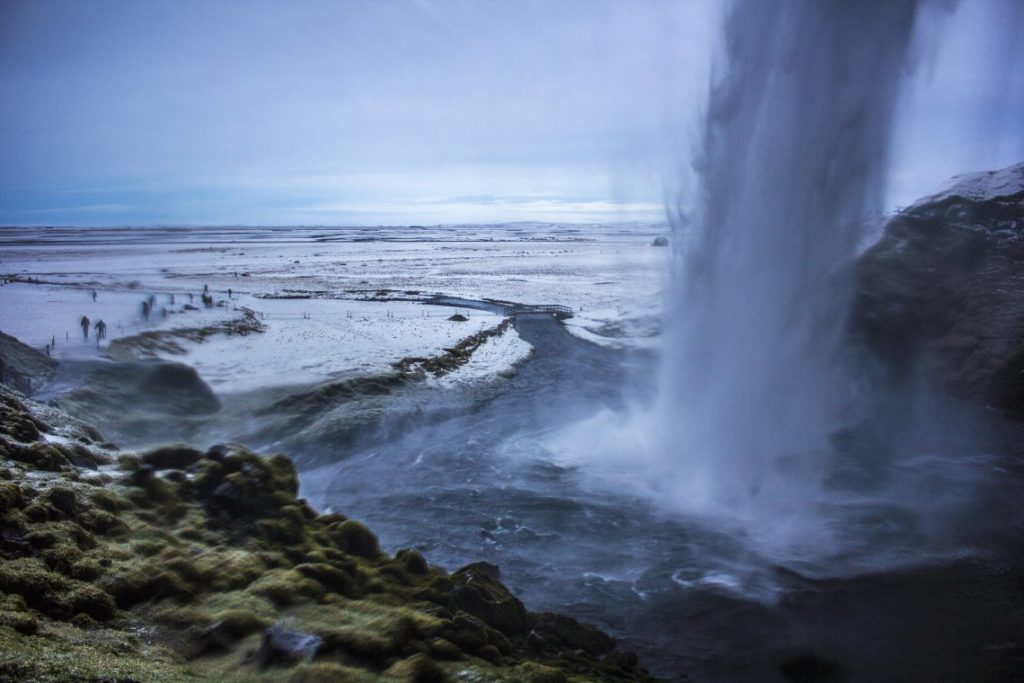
538 308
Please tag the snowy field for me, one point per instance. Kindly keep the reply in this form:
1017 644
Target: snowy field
337 302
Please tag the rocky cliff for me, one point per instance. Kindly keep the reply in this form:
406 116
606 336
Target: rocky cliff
941 295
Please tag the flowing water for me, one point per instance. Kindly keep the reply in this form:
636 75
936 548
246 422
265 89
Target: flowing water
768 512
694 597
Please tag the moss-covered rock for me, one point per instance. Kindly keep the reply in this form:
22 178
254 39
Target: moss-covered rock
353 537
478 591
176 457
208 553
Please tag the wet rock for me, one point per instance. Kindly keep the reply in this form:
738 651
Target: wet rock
478 592
40 456
177 457
557 633
281 646
938 298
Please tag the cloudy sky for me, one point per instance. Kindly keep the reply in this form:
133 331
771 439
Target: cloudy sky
348 112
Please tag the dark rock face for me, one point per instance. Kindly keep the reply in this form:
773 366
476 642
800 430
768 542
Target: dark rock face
942 294
22 368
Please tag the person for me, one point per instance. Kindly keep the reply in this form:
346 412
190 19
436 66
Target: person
101 331
85 326
145 310
94 295
229 292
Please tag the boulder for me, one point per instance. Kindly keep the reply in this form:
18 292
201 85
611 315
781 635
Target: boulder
281 646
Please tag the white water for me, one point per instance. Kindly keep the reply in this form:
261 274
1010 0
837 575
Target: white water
795 158
766 426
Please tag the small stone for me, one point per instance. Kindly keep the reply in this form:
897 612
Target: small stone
281 646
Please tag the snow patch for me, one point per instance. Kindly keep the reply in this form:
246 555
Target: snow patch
983 186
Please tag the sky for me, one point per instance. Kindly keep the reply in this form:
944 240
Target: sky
222 112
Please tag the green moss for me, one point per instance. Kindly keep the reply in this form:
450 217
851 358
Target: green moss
241 622
365 646
39 455
227 569
22 622
60 558
287 587
208 561
63 499
53 594
68 657
413 561
134 582
14 613
10 497
329 672
332 577
531 672
418 669
353 537
444 649
287 527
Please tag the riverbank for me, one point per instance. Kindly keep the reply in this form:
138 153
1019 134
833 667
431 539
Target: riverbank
177 564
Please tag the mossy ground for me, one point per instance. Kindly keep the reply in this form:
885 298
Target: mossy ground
177 565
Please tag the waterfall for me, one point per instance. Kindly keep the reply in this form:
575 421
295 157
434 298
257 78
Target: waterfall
794 160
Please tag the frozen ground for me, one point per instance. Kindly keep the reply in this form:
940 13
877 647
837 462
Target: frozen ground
362 291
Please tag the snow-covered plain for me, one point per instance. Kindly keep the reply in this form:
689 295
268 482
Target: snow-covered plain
362 289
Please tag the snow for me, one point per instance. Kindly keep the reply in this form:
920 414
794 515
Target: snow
983 186
40 314
501 352
338 339
365 290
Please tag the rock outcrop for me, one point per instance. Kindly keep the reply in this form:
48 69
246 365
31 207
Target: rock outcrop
178 564
22 368
941 294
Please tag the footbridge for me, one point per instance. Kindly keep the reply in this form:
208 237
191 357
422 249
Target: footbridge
554 309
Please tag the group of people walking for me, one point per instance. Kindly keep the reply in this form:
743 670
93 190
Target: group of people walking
100 327
148 307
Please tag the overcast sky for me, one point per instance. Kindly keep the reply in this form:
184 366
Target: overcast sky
412 112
